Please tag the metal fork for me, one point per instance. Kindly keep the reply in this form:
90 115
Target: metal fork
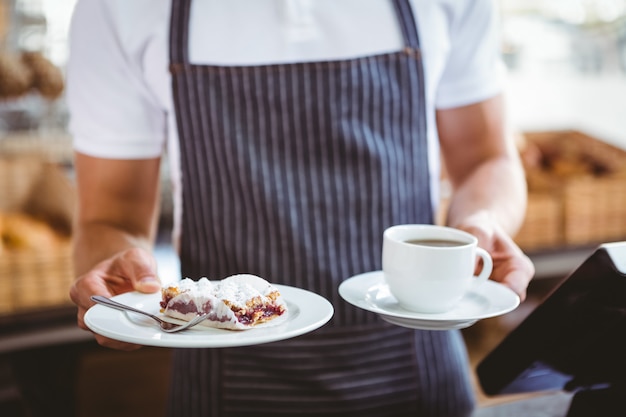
165 326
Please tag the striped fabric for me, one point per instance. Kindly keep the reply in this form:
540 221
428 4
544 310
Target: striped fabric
292 172
371 370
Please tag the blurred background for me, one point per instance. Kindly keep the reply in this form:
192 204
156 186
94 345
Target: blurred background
566 96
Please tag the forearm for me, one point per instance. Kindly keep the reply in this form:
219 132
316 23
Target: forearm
483 166
495 189
117 208
94 242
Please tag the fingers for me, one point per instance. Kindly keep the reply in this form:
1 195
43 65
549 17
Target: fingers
103 341
116 344
511 266
132 269
84 287
517 285
520 276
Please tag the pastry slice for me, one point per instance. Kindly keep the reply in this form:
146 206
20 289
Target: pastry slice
238 302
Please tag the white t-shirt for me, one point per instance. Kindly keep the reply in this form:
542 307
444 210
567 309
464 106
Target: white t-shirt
119 87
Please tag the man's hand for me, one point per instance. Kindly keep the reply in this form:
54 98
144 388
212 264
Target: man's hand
129 270
511 266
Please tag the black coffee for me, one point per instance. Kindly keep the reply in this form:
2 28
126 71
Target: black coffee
436 242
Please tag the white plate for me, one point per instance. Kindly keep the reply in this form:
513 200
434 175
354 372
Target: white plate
370 292
306 311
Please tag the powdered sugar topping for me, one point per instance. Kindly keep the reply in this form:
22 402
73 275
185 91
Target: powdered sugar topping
237 289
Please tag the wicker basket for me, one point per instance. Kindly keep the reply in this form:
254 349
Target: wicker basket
32 280
577 191
38 276
542 226
54 147
17 178
595 211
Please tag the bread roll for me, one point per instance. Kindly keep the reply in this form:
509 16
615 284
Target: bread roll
47 78
16 77
22 232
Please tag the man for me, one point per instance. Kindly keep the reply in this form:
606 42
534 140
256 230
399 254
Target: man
297 131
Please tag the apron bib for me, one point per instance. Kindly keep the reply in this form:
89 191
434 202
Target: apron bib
292 172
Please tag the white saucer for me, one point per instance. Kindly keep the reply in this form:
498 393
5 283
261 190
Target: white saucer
370 292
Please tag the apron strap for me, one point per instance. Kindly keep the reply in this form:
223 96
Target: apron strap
179 33
406 18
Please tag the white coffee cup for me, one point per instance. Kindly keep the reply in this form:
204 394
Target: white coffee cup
430 268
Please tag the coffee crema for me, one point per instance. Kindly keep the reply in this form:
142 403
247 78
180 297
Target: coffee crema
440 243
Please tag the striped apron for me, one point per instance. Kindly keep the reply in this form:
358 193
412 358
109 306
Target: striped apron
292 172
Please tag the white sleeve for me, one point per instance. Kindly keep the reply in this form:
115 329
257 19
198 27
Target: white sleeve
113 113
474 70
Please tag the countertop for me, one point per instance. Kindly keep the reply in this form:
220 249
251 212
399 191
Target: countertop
551 404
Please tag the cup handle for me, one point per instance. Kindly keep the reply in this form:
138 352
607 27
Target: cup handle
487 267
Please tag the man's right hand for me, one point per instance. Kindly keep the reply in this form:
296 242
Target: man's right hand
130 270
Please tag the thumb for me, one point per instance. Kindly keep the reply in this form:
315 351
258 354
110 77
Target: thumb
148 283
140 270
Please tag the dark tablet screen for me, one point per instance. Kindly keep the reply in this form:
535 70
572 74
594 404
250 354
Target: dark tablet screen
575 338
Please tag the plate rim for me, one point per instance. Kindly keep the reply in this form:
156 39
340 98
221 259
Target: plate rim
308 320
378 279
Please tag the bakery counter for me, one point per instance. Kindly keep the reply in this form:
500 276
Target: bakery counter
46 361
557 263
40 329
549 404
38 356
54 326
